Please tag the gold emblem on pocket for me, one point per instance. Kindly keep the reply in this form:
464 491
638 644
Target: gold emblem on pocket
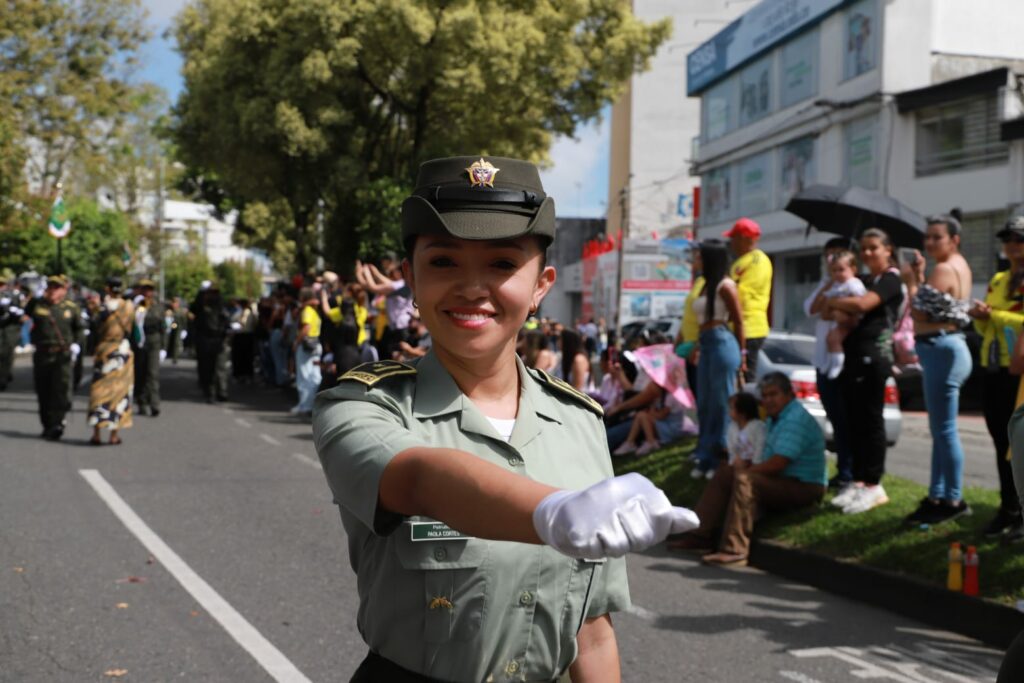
441 601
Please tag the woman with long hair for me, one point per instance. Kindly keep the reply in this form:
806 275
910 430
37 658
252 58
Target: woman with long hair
113 376
472 487
866 368
939 310
999 320
720 355
575 365
536 354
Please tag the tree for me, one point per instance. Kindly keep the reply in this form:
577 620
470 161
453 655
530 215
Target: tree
239 279
291 102
184 273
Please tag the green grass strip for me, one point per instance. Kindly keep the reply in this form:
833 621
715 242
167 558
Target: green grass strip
876 538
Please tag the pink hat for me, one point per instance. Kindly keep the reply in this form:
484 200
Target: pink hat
744 227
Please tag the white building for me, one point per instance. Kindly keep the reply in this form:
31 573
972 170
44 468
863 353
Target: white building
915 98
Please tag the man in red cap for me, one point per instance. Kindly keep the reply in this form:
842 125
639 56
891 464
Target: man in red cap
752 272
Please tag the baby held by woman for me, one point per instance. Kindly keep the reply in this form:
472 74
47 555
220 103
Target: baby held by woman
843 269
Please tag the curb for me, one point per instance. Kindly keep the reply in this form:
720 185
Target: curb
979 618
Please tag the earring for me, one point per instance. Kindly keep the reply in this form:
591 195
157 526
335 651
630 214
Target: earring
533 311
414 304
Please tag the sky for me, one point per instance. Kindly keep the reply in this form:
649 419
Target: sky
577 177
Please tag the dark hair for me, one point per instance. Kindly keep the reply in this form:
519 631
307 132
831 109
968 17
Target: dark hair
778 380
838 243
572 343
878 234
953 227
746 405
844 255
115 284
714 254
536 342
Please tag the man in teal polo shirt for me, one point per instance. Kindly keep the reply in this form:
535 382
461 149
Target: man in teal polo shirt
791 475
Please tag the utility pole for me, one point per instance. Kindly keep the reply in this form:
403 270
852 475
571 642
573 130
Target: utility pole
624 232
159 224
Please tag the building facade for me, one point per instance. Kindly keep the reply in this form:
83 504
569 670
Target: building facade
914 98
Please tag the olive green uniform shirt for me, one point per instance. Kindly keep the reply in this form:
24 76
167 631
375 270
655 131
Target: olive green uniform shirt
463 609
55 327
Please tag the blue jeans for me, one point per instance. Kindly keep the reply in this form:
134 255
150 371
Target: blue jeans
716 382
617 434
945 366
307 377
831 393
279 352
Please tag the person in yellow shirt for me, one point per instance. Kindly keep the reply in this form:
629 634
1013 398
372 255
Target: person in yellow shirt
689 331
752 273
307 353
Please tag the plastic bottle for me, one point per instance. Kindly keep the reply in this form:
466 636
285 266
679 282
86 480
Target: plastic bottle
955 577
971 571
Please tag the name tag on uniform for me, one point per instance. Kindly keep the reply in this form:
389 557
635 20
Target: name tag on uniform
435 531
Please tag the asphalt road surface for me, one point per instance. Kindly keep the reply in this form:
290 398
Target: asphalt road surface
206 548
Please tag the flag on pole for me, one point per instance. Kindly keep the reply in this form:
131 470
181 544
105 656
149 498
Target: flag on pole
60 224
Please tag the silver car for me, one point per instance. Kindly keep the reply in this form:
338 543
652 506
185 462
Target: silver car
792 354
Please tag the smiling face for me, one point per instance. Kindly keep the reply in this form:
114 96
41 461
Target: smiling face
474 296
875 254
938 243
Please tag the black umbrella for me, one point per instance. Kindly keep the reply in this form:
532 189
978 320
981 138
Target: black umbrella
848 211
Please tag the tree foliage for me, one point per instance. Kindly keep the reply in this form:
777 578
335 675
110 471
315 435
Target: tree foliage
290 102
184 273
239 279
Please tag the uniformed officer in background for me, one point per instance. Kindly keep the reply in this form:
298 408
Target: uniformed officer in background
210 326
151 350
177 323
11 313
57 334
483 518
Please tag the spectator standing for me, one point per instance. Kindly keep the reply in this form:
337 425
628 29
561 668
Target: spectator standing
689 330
150 352
575 363
720 354
868 365
752 273
791 475
210 325
830 389
999 319
243 341
537 355
939 310
307 351
398 302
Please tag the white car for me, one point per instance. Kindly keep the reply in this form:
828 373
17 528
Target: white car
791 354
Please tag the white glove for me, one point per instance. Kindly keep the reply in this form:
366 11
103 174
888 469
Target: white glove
236 327
75 350
163 355
609 519
184 335
16 311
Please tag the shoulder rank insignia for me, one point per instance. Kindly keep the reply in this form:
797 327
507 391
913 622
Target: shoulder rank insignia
564 387
371 373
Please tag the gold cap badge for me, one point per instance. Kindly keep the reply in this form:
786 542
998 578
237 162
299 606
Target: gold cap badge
481 173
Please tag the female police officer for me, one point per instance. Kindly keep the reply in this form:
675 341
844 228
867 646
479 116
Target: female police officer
482 517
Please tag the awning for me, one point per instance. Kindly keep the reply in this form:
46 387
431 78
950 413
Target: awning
947 91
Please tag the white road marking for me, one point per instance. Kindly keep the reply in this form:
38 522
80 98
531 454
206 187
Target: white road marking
269 439
261 649
302 457
243 422
798 677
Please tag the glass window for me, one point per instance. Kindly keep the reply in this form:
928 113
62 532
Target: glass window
861 38
755 91
716 194
862 152
756 184
799 69
958 136
720 109
796 168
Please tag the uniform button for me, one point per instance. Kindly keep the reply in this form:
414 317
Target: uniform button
525 598
512 667
515 462
440 554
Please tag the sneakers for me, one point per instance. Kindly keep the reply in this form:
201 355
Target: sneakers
846 494
1003 522
838 483
648 447
935 511
924 513
866 498
699 473
625 448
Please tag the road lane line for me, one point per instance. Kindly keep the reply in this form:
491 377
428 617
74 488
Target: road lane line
269 439
302 457
261 649
243 422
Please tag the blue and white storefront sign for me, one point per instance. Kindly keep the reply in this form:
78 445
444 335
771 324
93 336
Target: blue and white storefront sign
765 25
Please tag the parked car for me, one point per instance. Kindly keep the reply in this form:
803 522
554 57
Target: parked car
668 326
792 354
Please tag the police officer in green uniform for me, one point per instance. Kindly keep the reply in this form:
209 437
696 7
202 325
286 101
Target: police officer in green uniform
150 352
483 518
210 327
57 334
11 314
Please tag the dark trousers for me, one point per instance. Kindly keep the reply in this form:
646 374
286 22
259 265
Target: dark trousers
863 385
1012 668
212 364
243 351
147 376
691 377
51 374
734 499
753 350
832 399
999 398
376 669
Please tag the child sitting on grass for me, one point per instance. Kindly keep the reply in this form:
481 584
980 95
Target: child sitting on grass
659 426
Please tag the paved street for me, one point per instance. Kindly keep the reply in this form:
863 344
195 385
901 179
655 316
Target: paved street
912 456
206 548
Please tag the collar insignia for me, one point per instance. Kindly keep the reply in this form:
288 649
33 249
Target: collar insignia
481 173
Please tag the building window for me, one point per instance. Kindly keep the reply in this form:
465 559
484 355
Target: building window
862 152
755 184
979 245
756 91
716 194
799 77
861 39
720 109
958 136
796 168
